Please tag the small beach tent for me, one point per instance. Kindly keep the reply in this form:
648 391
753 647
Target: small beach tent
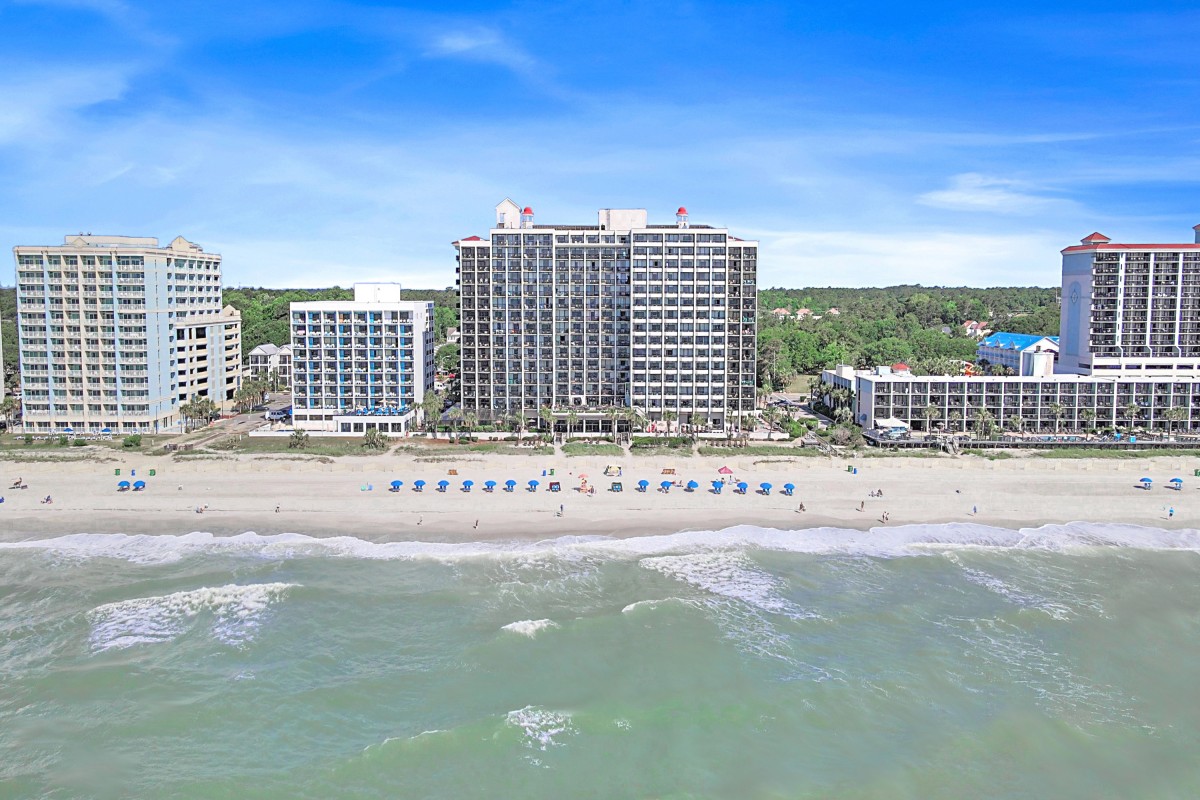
442 484
742 486
467 485
123 485
139 485
533 486
725 471
1177 483
691 486
509 484
766 488
489 486
616 487
788 488
665 486
1146 483
642 484
418 485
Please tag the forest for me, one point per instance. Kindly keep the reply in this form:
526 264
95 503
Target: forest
919 325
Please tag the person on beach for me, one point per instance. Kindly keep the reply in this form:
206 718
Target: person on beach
420 519
476 524
862 505
48 501
276 508
800 508
560 509
974 510
1170 512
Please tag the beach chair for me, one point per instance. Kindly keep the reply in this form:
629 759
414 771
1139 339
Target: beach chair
555 486
452 472
668 471
615 487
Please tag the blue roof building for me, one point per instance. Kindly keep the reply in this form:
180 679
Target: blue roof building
1017 352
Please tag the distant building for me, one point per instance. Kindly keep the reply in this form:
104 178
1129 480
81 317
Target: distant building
618 313
1018 352
833 312
781 313
361 364
268 360
117 333
975 329
804 312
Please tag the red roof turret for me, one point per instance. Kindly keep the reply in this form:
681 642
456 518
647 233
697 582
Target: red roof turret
528 211
682 210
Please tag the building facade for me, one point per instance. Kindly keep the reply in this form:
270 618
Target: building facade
1128 355
361 364
660 318
1015 351
117 332
271 364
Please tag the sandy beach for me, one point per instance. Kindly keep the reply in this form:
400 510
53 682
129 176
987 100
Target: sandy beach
320 497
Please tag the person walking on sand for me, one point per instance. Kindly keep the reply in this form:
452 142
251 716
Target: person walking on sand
862 505
974 510
477 524
276 508
420 519
1170 512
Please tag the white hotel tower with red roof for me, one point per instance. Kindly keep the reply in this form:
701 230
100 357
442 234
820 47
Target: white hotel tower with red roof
621 313
1130 308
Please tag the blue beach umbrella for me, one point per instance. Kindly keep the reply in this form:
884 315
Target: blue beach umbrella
1176 480
139 485
419 485
743 486
397 484
123 485
533 486
68 430
788 488
509 484
467 485
106 430
489 485
692 486
443 484
1147 481
665 485
643 484
766 488
717 486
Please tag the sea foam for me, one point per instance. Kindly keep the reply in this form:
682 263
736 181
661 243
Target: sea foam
236 612
886 542
529 627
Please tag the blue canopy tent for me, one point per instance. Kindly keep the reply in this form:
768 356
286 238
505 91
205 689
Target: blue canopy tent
122 486
533 486
396 486
691 486
418 486
1146 483
489 486
665 486
1177 484
642 485
509 485
717 486
765 487
139 485
788 488
467 485
742 486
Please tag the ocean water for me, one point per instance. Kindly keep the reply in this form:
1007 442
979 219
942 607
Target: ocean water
954 661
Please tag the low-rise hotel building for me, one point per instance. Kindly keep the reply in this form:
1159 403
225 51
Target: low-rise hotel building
271 364
117 332
361 364
620 313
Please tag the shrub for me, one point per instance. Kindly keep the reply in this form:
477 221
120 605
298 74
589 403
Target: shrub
298 440
63 440
29 438
79 443
132 441
375 439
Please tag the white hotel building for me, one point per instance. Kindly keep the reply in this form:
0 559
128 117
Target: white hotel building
361 364
1128 355
117 332
620 313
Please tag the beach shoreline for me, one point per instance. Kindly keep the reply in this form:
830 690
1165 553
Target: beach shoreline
330 497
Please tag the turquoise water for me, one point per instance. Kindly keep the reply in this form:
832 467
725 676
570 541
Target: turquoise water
927 661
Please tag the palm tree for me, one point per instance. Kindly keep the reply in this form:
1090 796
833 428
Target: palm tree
8 409
431 410
1089 419
374 439
930 413
572 421
455 415
1132 411
1016 423
610 413
842 415
954 418
546 415
1057 410
669 417
985 423
1175 414
470 420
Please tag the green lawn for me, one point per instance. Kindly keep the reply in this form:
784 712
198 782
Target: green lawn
321 446
587 449
760 450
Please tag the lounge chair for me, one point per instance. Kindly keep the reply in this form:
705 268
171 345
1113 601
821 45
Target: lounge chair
616 487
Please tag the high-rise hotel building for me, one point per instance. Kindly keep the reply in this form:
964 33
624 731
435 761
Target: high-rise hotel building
361 364
117 332
661 318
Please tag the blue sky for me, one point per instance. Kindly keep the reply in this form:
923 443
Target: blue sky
864 143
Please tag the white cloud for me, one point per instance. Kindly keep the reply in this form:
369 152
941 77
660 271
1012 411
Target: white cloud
481 44
971 191
37 107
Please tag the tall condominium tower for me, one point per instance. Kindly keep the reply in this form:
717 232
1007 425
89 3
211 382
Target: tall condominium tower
116 332
661 318
1130 308
361 364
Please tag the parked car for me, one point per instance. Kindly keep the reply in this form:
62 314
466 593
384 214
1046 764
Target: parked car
280 414
260 408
